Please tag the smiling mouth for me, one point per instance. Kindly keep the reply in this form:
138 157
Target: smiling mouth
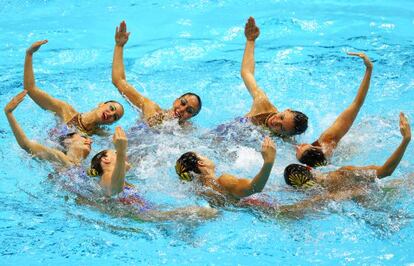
176 114
104 116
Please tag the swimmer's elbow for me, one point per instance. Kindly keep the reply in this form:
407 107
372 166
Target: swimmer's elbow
244 73
117 81
384 172
27 145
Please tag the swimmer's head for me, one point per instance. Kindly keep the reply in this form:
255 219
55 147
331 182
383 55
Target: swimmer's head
104 161
75 141
311 155
190 164
186 106
299 176
288 123
109 112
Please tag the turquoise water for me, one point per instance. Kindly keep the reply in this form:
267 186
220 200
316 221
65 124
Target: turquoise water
197 46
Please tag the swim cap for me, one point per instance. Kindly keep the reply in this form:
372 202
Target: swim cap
92 172
185 164
298 176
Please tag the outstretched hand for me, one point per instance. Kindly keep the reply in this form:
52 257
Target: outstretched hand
367 62
251 31
121 34
268 150
405 127
35 46
120 140
14 102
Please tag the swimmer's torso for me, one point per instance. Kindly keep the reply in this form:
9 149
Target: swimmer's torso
215 194
344 178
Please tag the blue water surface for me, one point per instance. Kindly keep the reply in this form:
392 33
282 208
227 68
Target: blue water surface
181 46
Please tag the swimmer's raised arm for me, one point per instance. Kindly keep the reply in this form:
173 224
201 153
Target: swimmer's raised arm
251 31
345 120
114 181
389 166
392 162
147 106
242 187
25 143
44 100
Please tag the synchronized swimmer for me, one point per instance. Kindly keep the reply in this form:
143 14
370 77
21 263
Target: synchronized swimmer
108 168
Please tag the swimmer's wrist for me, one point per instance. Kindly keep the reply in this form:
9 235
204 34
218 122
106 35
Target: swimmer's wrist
120 45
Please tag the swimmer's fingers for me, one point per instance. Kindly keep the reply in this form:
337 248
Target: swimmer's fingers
123 26
405 128
251 31
268 150
120 139
35 46
366 59
121 132
14 102
121 34
353 54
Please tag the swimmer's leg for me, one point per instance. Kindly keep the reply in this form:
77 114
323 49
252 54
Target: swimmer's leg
345 120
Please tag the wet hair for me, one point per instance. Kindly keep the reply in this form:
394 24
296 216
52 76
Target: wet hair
198 99
313 157
96 169
123 110
62 139
301 122
298 176
186 164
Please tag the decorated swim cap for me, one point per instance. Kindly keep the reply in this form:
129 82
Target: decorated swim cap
92 172
182 173
186 164
299 176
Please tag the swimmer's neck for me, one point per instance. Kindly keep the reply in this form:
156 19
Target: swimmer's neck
207 175
76 156
89 120
208 170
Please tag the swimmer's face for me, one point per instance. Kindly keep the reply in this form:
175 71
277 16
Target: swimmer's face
109 112
302 148
282 123
185 107
78 141
109 159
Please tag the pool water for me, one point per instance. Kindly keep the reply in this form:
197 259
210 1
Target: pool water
181 46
